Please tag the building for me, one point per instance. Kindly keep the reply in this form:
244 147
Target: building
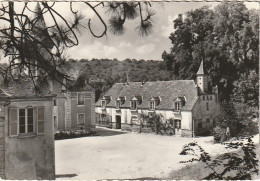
74 107
190 104
26 132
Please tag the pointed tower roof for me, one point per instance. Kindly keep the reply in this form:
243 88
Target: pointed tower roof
38 17
39 28
201 70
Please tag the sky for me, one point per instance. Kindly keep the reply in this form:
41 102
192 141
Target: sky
130 44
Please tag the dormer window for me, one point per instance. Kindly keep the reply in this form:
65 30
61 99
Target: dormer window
179 102
103 103
133 104
154 101
177 106
118 103
105 100
152 105
136 100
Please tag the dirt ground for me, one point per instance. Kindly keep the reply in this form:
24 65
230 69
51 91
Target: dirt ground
124 155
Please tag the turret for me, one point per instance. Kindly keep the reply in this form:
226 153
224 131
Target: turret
202 79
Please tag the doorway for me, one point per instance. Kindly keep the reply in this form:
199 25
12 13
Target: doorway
118 122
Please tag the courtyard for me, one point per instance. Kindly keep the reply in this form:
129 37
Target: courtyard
124 155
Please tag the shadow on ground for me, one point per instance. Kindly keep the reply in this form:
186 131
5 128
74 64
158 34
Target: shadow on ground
108 132
66 175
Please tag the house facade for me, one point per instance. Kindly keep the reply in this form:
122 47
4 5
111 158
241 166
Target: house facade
74 108
190 104
26 132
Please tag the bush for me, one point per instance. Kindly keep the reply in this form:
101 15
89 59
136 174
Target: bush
156 124
228 166
75 133
219 134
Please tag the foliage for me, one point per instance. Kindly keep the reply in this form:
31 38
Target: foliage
244 165
76 133
227 39
156 124
29 43
103 73
239 118
218 133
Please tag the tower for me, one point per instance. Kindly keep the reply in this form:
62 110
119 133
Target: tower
202 78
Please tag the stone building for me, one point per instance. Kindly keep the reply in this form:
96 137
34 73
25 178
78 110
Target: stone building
74 107
26 132
190 104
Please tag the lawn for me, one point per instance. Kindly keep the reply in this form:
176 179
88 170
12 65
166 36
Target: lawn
123 155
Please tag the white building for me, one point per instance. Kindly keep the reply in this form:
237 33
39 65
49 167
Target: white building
190 104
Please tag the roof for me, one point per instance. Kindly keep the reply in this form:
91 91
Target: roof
58 88
168 91
23 88
201 70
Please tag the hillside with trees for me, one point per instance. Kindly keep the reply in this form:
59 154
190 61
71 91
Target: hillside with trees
103 73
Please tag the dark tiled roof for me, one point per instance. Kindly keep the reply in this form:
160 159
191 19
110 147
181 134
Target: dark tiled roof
167 90
58 88
23 88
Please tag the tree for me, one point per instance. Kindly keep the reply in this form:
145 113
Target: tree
226 38
31 44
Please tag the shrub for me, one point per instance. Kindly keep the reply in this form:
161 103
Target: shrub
156 124
75 133
219 134
228 166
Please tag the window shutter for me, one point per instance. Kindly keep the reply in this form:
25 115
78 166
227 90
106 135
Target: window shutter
40 119
13 122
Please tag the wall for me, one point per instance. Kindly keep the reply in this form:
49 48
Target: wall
126 115
31 157
87 109
2 143
61 112
200 112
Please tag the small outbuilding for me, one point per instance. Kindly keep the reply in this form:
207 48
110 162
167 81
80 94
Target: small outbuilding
26 132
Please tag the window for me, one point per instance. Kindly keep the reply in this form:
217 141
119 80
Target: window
207 106
207 120
22 121
203 98
210 97
103 103
117 104
177 106
81 119
152 105
55 121
81 99
177 123
133 104
26 120
40 119
55 102
199 123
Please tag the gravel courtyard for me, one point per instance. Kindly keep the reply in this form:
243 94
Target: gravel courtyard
123 155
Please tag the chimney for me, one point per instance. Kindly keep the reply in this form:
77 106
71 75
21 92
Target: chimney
127 79
63 87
